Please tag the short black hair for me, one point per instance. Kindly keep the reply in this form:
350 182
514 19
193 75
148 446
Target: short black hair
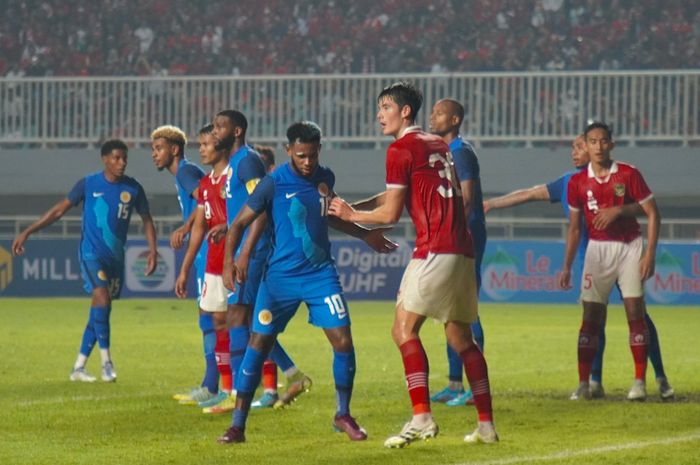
598 125
237 118
267 154
304 132
404 93
113 144
206 129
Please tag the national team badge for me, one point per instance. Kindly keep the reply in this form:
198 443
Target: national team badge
102 275
619 190
323 189
265 317
222 191
125 197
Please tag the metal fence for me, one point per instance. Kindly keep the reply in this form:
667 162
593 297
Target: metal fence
501 107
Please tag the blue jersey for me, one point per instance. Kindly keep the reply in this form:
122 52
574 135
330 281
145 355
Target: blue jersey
107 208
246 169
558 192
467 167
186 181
297 209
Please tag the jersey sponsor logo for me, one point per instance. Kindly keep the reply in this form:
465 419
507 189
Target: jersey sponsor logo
98 194
591 202
289 195
125 196
265 317
619 190
5 269
161 280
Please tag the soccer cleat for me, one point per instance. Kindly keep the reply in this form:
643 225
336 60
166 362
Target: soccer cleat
79 374
225 406
446 395
348 425
583 392
210 399
485 433
267 400
665 390
232 435
597 391
638 391
297 385
410 433
186 395
108 373
196 396
465 398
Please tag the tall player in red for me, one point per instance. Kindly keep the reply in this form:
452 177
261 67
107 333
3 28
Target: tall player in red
210 220
439 282
615 250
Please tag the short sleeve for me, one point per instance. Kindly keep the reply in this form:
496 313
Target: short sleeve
141 201
200 200
575 201
638 189
398 167
556 189
466 164
250 171
77 194
188 177
261 198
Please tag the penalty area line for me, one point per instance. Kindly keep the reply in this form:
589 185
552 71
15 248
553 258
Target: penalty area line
566 454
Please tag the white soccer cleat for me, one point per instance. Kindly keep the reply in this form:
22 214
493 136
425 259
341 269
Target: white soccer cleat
597 391
665 390
485 433
108 373
583 392
411 433
79 374
638 391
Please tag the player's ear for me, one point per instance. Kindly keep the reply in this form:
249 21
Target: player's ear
237 132
288 149
406 112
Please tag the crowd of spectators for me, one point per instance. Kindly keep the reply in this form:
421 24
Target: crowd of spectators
203 37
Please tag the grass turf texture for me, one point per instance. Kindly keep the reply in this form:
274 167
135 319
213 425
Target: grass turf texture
531 351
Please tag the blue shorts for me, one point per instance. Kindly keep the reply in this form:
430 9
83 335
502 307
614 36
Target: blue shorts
99 273
280 297
246 292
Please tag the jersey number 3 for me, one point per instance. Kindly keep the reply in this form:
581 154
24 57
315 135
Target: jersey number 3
446 171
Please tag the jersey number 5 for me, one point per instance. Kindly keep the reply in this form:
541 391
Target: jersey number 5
446 171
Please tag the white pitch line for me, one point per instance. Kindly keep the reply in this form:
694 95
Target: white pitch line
63 400
583 452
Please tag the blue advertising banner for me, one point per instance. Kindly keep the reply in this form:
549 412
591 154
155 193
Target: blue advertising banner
512 271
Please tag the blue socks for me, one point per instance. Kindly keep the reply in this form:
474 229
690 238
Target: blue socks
211 373
454 361
100 325
248 377
280 357
89 336
344 377
237 346
654 349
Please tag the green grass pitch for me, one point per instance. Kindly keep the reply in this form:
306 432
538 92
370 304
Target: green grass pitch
530 349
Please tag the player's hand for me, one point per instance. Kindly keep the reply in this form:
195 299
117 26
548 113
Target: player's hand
217 233
605 217
229 276
18 244
487 206
181 286
647 266
376 239
177 238
241 268
341 209
151 263
565 279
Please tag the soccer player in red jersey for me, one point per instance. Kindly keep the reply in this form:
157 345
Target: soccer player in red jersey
440 281
615 250
210 219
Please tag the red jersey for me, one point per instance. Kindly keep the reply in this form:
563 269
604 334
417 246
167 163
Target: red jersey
622 186
422 163
212 197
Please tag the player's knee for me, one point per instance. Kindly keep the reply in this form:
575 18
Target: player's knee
238 315
219 321
261 342
340 339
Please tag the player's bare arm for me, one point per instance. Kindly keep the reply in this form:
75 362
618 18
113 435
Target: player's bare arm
607 216
51 215
257 228
388 213
573 237
517 197
375 238
199 226
150 232
648 262
234 236
177 238
370 203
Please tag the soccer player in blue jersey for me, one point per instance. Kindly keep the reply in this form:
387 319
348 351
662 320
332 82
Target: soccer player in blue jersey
108 198
168 153
445 121
556 192
295 200
246 171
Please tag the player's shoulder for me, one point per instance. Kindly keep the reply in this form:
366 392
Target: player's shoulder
626 168
577 176
130 181
188 168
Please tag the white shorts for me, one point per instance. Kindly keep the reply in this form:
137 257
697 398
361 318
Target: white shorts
441 286
214 294
608 262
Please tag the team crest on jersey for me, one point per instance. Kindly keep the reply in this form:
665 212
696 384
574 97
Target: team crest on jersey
619 190
323 189
125 197
222 191
265 317
102 275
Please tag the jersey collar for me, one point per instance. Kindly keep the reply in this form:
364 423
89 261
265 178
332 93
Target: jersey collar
613 169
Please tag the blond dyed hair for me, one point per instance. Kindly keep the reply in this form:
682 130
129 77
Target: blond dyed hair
172 134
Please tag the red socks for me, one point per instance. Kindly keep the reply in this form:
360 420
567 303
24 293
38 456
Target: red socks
639 338
415 364
269 376
478 376
587 347
223 359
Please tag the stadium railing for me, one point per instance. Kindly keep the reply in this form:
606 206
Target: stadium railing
520 108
